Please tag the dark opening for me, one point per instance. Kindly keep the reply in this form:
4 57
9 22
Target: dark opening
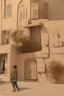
34 44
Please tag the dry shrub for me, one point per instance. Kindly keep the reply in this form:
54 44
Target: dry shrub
56 68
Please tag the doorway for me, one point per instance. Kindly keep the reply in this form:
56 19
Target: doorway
30 69
3 63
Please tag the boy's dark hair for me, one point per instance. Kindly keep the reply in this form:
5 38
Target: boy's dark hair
14 66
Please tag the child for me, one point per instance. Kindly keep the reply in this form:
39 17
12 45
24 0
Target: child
13 78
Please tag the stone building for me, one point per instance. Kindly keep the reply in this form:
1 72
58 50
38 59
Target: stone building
17 14
32 16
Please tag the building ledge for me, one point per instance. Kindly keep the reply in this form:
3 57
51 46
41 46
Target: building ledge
30 25
5 49
33 25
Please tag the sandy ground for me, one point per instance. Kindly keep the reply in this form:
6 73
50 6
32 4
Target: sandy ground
40 88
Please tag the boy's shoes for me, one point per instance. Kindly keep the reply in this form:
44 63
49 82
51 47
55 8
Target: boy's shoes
18 90
14 91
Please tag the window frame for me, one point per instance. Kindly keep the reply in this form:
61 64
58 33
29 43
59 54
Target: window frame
8 31
7 5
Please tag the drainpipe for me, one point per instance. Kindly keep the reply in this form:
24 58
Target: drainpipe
44 58
1 24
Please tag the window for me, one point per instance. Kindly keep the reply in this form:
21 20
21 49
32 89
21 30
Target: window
34 11
34 43
5 37
45 45
57 40
45 10
45 40
22 14
7 9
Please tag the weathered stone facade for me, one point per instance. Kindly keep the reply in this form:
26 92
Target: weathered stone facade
43 32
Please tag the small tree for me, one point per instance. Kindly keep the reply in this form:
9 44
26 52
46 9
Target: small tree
21 38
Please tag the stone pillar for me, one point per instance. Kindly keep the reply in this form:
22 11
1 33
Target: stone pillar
8 65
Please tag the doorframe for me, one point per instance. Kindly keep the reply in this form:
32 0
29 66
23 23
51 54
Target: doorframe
32 59
4 54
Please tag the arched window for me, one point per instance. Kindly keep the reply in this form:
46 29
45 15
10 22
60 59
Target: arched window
22 13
